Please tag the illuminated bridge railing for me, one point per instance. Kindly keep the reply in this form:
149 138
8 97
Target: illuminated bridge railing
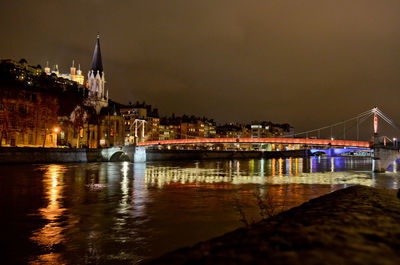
301 141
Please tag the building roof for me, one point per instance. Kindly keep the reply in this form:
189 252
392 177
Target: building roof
97 64
113 108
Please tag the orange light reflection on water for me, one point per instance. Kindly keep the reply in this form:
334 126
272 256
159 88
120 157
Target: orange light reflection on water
280 166
52 233
273 166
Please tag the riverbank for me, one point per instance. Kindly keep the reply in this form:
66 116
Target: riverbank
357 225
15 155
31 155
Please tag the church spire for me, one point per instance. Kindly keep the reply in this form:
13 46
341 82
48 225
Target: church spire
97 64
96 80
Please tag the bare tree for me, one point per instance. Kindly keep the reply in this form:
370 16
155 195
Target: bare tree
79 117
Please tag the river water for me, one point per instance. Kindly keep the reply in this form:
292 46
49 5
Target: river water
124 213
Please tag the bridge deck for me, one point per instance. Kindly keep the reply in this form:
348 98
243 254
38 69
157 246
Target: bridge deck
301 141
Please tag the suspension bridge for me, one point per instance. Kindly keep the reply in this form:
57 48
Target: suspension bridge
344 135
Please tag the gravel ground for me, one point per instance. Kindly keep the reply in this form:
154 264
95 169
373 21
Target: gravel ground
357 225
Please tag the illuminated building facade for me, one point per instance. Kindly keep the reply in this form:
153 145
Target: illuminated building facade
268 129
46 108
168 131
98 97
111 126
74 75
232 130
28 115
153 128
140 111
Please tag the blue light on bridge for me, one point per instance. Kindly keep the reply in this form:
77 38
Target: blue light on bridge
342 151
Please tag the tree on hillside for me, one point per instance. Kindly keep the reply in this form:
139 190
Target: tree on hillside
47 109
79 118
5 115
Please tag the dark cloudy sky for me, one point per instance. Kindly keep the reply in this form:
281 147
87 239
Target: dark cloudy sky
308 63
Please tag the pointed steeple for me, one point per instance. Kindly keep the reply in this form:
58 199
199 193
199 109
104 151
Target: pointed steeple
97 93
97 64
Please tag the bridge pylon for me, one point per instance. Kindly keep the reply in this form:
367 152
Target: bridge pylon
384 156
385 153
138 123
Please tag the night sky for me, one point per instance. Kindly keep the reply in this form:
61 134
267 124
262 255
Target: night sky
308 63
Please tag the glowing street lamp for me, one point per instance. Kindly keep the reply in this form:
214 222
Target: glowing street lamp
56 130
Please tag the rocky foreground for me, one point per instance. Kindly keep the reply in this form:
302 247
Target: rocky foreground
357 225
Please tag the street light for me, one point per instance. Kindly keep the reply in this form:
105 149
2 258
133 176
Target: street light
56 130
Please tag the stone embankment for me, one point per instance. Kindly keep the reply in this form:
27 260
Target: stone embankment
10 155
357 225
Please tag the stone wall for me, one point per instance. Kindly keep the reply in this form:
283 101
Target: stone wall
10 155
383 157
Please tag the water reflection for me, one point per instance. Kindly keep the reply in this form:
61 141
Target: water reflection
140 193
315 170
51 234
124 205
121 213
161 176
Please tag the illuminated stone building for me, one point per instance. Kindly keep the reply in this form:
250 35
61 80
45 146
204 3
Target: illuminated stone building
110 122
153 128
261 130
86 128
168 132
74 75
98 96
28 119
111 126
231 130
188 130
197 128
98 122
186 127
207 129
28 114
46 108
140 111
269 129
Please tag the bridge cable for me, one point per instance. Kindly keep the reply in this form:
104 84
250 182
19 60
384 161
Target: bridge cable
387 119
364 115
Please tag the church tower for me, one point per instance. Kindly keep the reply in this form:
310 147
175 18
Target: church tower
98 97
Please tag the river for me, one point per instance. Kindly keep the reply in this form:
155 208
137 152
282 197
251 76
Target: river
124 213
